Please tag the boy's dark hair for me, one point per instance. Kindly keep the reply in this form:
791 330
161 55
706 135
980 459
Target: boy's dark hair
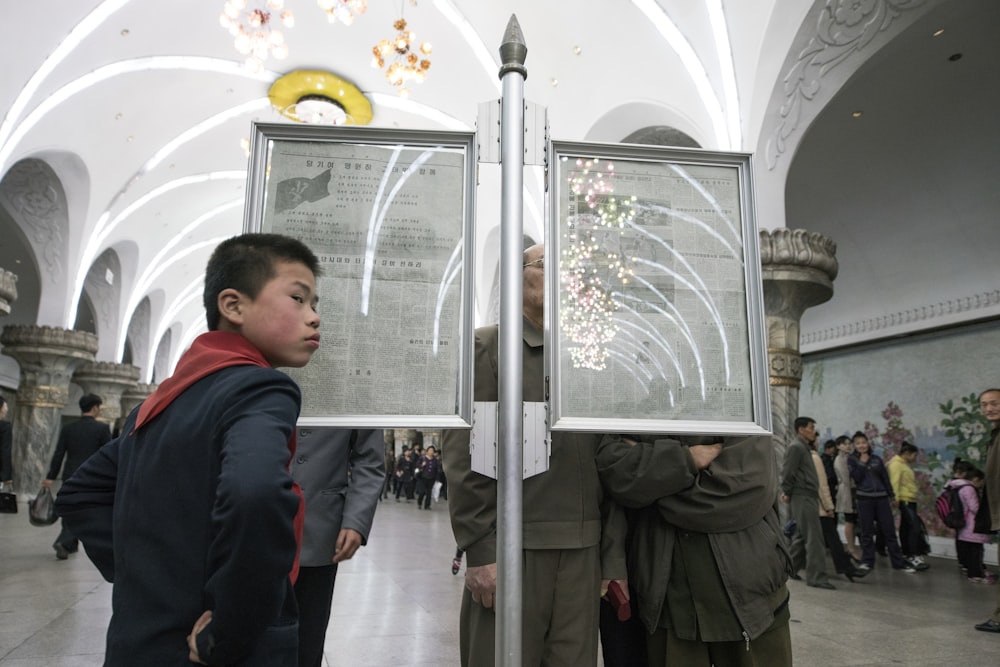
245 263
842 439
89 401
859 434
907 447
803 422
829 444
975 473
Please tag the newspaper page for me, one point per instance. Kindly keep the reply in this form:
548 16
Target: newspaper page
386 222
653 317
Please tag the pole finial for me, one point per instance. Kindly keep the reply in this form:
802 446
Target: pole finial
513 50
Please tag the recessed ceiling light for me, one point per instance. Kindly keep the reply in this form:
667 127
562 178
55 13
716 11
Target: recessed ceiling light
554 82
938 32
118 116
129 138
577 50
857 114
124 32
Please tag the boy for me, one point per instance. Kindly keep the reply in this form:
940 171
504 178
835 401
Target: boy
191 513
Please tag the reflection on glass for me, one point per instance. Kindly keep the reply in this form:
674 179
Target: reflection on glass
652 296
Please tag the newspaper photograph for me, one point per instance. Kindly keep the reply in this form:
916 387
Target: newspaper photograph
386 222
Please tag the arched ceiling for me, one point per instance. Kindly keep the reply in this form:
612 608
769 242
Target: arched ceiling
151 99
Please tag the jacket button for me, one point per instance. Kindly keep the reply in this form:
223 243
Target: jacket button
301 459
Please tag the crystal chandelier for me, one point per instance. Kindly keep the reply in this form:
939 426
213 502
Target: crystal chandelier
253 33
400 53
342 10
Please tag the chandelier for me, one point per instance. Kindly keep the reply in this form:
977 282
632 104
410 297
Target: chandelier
400 53
253 33
344 10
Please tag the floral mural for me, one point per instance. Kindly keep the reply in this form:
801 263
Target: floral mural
922 389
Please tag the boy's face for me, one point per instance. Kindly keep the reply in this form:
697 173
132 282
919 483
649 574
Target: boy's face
282 321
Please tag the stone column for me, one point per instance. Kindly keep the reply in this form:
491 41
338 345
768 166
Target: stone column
48 357
135 395
109 381
798 272
8 290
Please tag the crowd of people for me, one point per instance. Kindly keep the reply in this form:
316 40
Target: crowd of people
683 537
415 473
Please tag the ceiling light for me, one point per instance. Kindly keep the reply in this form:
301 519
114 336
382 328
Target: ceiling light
857 114
399 56
938 32
344 10
253 33
318 97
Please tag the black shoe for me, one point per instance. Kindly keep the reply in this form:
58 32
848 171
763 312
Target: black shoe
989 626
61 552
795 576
826 585
856 573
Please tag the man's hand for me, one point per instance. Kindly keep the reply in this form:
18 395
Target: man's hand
482 583
703 455
348 542
46 483
785 497
199 625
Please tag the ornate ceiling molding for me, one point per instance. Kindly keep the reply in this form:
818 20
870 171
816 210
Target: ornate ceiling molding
965 308
33 195
844 28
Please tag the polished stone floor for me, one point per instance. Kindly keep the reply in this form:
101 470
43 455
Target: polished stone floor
397 604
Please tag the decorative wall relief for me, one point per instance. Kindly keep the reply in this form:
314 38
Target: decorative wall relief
35 199
844 28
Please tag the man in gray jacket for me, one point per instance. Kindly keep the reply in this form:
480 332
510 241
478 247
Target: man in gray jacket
800 489
341 472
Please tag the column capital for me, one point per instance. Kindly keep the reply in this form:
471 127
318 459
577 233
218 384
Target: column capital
8 290
108 380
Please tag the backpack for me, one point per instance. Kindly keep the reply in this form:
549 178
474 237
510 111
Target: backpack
950 508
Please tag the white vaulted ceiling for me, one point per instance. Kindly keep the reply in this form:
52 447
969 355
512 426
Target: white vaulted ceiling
138 107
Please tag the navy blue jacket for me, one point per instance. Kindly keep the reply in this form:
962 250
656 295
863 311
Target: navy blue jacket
870 479
194 512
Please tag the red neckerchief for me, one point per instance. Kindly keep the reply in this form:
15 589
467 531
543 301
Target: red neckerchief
209 353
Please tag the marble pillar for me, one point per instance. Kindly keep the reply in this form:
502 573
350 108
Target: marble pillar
8 290
48 357
109 381
135 395
798 270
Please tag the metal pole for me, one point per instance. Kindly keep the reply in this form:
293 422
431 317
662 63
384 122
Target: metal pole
510 456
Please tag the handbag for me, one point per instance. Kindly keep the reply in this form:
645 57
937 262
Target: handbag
8 503
42 509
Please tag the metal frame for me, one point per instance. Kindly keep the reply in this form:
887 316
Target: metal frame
266 135
752 308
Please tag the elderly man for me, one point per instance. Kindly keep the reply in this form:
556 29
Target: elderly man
989 405
562 520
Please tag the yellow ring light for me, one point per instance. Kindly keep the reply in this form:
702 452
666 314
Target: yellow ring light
291 89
